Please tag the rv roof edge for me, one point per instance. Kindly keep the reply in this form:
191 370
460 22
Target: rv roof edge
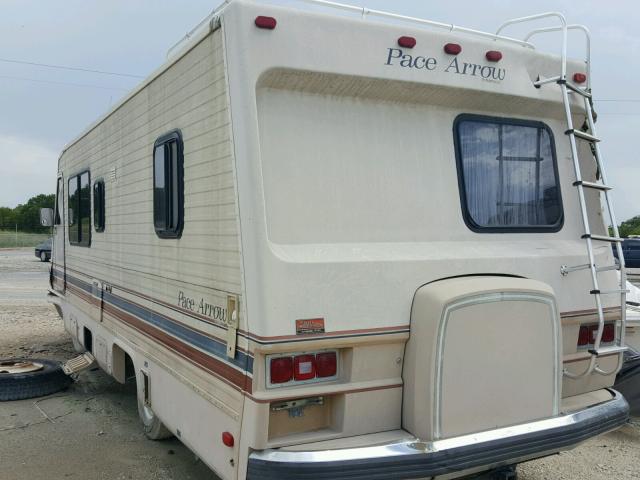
212 23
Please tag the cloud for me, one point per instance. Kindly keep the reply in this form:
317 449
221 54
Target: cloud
27 168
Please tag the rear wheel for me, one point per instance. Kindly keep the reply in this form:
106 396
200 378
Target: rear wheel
154 429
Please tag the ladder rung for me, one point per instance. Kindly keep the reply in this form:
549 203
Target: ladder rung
565 270
602 238
539 82
582 135
608 292
596 186
608 268
608 350
574 88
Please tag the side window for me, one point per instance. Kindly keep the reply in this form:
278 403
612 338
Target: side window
79 213
57 219
98 205
507 174
168 185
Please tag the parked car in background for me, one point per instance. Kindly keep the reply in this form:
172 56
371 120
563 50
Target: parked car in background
631 252
43 250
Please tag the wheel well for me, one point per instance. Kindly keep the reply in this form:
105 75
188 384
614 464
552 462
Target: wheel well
122 365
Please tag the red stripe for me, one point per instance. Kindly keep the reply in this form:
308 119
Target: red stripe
221 370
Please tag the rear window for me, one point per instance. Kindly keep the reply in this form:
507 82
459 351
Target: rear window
508 175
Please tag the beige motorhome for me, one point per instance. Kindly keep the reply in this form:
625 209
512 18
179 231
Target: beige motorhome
331 246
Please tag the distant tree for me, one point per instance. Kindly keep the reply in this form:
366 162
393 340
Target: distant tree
7 218
630 227
27 216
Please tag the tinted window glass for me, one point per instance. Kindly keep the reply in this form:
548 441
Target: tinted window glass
72 214
508 175
159 188
168 186
98 205
58 214
80 210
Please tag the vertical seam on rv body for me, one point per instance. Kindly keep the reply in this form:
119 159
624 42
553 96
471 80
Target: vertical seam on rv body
491 298
243 298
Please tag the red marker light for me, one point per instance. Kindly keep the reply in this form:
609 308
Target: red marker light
228 439
493 56
452 48
407 42
268 23
579 77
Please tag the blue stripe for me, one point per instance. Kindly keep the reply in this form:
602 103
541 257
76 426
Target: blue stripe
205 343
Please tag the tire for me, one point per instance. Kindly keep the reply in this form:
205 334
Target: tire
43 256
154 429
18 386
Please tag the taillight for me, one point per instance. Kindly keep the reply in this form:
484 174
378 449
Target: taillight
609 333
326 364
588 333
281 369
307 367
304 367
584 337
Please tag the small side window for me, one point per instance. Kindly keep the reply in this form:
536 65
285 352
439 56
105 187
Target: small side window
98 205
168 186
79 213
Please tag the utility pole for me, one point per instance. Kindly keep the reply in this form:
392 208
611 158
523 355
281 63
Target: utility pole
16 234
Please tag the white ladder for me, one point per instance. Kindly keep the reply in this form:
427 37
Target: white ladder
566 87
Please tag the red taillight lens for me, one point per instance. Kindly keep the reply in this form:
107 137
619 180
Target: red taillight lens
281 369
609 333
268 23
407 42
579 77
588 334
452 48
493 56
326 364
304 367
584 337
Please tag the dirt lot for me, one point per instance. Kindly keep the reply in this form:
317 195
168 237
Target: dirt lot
93 431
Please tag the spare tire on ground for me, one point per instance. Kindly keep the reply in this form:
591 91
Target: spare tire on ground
22 378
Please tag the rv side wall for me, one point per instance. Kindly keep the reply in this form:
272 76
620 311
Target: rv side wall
164 301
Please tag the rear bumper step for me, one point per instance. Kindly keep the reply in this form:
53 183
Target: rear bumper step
414 459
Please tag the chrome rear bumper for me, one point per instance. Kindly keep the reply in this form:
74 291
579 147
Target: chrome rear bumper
417 459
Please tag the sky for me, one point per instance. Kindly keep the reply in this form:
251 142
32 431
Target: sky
42 109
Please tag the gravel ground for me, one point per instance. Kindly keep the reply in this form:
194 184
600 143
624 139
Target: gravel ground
94 432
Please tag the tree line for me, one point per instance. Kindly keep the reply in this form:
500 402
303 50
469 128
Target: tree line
26 217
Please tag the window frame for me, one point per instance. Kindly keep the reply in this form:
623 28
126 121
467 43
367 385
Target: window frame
174 231
82 242
99 216
466 214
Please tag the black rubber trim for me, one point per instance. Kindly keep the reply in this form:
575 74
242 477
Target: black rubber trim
443 462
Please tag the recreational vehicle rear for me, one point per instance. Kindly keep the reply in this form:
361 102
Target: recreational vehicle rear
337 247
